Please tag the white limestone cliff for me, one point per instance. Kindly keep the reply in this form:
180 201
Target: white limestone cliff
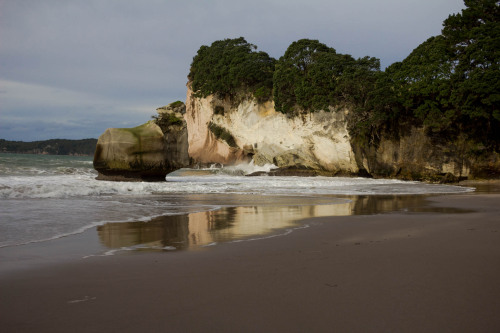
225 131
318 141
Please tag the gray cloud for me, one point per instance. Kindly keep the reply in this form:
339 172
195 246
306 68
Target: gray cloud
72 68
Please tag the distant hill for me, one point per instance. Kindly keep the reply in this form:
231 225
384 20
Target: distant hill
50 147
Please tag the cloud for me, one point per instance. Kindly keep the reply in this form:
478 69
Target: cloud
63 113
113 60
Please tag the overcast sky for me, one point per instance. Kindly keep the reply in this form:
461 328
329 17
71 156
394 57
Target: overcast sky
70 69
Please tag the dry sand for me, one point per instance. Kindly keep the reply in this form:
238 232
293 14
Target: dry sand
436 271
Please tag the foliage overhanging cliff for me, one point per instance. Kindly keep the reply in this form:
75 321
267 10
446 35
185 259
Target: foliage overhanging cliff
229 66
449 85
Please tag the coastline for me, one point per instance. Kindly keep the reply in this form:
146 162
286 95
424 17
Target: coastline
435 269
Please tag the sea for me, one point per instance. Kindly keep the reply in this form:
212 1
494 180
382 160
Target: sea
45 197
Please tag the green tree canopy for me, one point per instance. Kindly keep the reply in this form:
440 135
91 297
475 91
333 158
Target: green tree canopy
304 76
474 40
312 76
450 83
423 86
229 65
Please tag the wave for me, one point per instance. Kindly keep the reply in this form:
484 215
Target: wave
44 165
6 170
244 169
34 221
68 185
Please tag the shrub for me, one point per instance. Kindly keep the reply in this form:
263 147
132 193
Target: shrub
223 134
176 104
166 120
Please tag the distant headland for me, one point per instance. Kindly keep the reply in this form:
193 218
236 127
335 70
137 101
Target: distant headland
84 147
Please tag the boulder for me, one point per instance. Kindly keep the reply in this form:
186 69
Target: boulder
147 152
131 154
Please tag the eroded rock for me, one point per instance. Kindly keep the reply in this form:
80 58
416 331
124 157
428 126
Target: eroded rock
144 153
317 141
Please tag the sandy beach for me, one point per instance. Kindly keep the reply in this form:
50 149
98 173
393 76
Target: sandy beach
431 269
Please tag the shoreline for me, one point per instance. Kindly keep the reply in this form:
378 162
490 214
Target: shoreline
249 217
436 270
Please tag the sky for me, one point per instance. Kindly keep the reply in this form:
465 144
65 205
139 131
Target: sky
69 69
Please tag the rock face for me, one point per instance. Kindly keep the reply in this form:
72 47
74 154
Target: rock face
417 156
147 152
214 130
174 128
318 141
204 146
413 156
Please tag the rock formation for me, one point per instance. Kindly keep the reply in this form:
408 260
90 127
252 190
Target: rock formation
171 121
241 129
318 142
204 146
146 152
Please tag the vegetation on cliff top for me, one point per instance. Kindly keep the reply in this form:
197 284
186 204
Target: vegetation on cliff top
312 77
167 115
229 65
449 85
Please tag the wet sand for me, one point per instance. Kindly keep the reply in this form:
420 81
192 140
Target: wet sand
436 270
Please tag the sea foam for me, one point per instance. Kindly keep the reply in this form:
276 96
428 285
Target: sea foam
66 186
44 198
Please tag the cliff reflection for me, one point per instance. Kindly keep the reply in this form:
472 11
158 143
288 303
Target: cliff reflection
190 231
226 224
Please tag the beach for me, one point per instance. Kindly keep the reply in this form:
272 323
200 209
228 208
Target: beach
433 267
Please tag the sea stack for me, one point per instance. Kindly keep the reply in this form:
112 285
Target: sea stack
147 152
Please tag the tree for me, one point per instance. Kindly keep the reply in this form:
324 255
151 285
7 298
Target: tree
424 85
449 84
357 80
312 76
230 65
474 39
304 77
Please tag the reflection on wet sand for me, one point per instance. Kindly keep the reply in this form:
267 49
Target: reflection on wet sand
378 204
226 224
194 230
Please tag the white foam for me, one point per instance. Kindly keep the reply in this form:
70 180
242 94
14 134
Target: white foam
209 244
223 183
81 186
35 208
79 182
84 299
131 248
112 252
285 233
57 236
246 168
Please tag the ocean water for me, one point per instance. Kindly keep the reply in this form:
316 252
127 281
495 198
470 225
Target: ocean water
46 197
